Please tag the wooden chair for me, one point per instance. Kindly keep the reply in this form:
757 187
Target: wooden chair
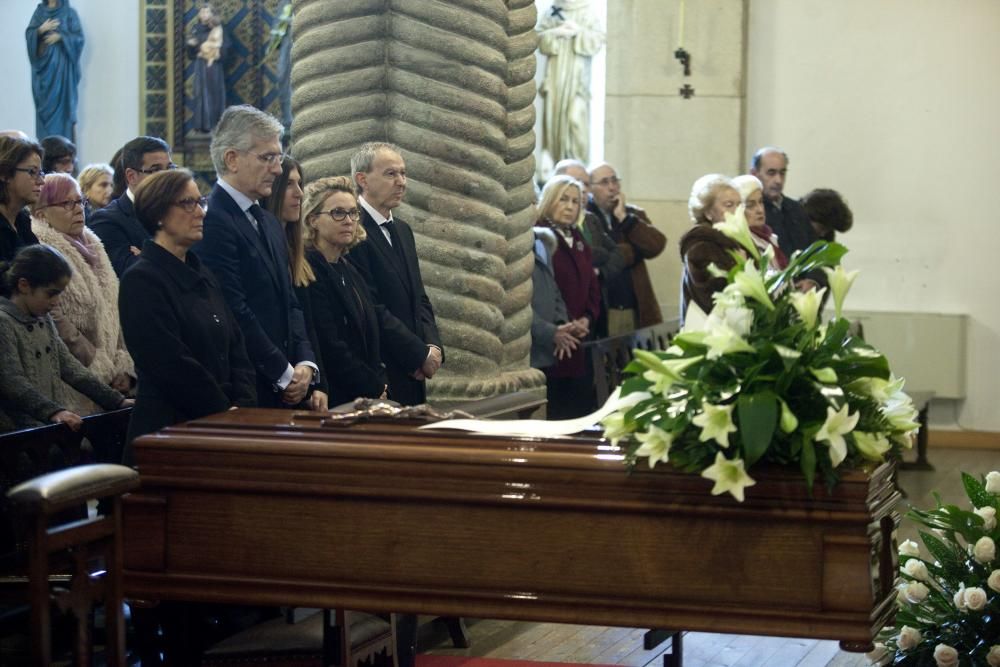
31 453
610 356
322 638
89 550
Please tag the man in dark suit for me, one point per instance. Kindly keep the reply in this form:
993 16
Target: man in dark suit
784 215
388 263
244 246
116 224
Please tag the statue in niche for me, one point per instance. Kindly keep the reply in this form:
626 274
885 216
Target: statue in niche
570 36
205 46
55 42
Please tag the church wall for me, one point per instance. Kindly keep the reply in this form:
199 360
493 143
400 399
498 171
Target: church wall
893 103
108 112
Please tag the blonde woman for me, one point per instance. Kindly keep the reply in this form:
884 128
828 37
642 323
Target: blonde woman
97 184
87 315
352 329
570 389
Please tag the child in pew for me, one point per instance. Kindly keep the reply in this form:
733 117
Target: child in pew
34 359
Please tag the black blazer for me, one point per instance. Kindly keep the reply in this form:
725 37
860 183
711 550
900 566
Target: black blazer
187 346
118 229
347 328
257 285
13 238
396 283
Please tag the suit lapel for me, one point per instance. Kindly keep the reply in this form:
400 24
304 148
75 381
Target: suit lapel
383 246
244 226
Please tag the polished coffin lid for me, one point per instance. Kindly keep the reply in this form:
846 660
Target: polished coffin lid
274 507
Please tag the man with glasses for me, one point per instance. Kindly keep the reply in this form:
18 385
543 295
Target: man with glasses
245 247
631 303
388 263
116 224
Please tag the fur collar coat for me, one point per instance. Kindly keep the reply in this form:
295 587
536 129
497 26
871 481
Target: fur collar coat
87 315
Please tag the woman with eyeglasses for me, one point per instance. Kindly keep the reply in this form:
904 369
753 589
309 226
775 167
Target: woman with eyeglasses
187 346
21 179
87 315
285 202
349 325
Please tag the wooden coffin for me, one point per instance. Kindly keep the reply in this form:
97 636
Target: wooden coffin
271 507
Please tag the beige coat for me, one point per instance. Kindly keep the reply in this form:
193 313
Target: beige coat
87 314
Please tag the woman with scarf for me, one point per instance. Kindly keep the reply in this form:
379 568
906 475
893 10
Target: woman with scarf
87 315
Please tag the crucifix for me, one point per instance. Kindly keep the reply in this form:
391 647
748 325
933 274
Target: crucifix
682 55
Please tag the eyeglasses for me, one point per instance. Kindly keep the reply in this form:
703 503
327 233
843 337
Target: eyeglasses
155 169
607 181
271 159
33 172
338 214
70 204
190 203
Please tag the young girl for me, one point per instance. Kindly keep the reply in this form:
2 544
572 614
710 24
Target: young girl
33 357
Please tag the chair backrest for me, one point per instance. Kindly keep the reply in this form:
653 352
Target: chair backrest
610 356
33 452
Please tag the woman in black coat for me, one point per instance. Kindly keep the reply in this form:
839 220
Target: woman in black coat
186 344
348 324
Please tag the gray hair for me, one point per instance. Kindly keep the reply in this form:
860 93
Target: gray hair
238 129
363 160
563 165
761 152
703 194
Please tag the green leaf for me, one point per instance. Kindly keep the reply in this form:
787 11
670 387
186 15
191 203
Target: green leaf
758 415
977 492
944 554
808 462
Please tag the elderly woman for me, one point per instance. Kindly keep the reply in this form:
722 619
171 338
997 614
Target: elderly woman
752 194
285 202
570 390
712 196
21 179
87 315
97 184
350 326
187 346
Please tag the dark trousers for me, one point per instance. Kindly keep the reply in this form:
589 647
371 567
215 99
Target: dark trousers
569 398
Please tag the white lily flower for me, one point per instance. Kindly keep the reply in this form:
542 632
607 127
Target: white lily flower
993 482
750 284
729 297
728 476
716 272
663 373
716 422
721 340
838 423
901 414
807 305
655 444
614 427
872 446
840 284
735 227
739 318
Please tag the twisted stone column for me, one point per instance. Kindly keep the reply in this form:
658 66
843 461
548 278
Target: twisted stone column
452 85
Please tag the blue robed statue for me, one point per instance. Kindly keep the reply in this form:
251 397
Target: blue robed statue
55 41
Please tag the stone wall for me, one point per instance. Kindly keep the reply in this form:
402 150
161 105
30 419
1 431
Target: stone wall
452 86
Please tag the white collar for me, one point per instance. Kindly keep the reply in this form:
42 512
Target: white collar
376 216
241 199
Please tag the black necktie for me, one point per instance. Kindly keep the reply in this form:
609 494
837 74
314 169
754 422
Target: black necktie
390 225
258 215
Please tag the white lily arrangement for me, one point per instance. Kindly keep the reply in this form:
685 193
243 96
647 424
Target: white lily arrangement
762 378
949 592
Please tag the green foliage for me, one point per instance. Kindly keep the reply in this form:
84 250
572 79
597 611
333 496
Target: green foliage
769 360
962 583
